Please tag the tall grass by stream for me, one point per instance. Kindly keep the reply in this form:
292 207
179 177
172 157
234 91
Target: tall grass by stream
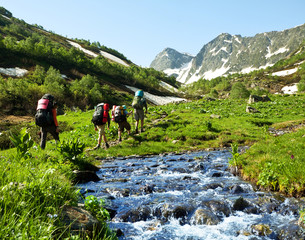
35 184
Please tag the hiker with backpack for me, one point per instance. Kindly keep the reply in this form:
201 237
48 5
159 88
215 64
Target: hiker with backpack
120 115
46 118
99 119
138 103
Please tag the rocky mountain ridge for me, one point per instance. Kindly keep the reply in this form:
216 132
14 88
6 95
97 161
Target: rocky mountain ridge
227 54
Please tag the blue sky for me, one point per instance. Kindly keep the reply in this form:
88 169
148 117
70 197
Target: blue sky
140 29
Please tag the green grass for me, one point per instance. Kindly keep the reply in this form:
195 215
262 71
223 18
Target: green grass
35 184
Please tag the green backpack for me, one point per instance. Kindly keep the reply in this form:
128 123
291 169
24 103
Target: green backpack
138 102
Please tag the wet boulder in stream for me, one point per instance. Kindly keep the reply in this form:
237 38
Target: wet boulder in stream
142 213
219 208
205 216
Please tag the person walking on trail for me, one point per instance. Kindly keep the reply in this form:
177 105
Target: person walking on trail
138 103
120 116
99 119
46 118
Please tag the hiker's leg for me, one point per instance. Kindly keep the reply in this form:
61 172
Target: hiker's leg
55 134
142 125
137 124
43 140
120 134
101 130
141 116
128 127
137 118
104 138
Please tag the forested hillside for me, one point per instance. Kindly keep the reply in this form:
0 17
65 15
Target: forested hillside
74 77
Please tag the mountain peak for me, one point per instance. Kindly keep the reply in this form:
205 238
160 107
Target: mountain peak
169 58
228 54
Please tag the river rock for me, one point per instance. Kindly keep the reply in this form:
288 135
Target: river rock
148 188
236 189
292 232
79 221
85 176
205 216
261 230
212 186
167 211
142 213
217 174
118 192
240 204
219 208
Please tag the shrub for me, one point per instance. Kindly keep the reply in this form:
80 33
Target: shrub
22 142
71 150
301 84
95 206
239 91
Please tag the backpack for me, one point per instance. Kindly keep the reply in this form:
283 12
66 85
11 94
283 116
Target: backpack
44 116
100 115
138 102
119 115
112 112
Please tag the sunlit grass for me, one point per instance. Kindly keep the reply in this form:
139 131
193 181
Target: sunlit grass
35 186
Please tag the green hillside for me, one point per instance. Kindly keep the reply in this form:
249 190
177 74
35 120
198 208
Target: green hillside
75 78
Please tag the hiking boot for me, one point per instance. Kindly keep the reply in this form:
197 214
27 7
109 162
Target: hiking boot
120 139
96 147
142 130
136 131
106 145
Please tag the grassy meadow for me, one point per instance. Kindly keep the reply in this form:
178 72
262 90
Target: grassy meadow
35 184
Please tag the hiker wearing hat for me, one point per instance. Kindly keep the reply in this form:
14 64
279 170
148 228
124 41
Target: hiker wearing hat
139 103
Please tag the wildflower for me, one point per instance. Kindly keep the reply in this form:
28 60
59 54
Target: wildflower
292 157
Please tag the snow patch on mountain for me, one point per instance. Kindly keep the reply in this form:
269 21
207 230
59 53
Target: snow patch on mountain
216 73
250 69
281 50
285 72
158 100
104 54
168 87
14 72
291 89
182 72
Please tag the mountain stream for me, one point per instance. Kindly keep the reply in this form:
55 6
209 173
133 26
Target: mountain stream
190 196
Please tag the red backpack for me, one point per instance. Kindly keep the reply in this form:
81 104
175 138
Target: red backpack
100 115
44 116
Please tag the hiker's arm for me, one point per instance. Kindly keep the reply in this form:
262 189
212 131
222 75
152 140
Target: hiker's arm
109 121
54 113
